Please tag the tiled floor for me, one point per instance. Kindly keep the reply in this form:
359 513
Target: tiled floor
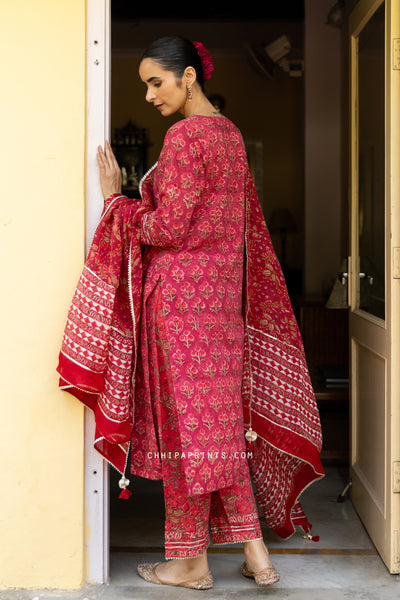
342 565
140 521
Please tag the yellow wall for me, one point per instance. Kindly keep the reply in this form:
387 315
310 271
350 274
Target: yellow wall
42 75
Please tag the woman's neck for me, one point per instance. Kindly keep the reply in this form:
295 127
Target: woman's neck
199 105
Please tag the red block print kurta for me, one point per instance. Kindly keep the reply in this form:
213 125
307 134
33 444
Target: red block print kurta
193 274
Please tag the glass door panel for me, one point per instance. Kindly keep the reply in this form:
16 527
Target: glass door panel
371 163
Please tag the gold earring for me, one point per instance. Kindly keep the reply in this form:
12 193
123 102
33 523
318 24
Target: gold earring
189 93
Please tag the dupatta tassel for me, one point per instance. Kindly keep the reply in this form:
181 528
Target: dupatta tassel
123 484
307 534
251 437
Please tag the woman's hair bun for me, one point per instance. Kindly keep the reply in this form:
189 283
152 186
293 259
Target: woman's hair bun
206 60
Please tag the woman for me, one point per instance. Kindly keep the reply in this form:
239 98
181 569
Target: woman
197 237
218 338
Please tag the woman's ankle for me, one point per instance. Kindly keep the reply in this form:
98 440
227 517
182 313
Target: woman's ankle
198 560
193 563
254 545
257 555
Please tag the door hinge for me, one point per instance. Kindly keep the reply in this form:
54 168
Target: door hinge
396 548
396 53
396 477
396 263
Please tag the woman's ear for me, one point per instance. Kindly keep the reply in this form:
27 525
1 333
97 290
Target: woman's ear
190 75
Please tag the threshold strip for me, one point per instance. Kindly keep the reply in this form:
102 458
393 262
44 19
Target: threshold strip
225 550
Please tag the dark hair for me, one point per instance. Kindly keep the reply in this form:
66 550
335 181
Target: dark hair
175 53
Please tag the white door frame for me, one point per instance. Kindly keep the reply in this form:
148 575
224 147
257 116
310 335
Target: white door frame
98 129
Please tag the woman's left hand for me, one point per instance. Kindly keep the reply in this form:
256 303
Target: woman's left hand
110 173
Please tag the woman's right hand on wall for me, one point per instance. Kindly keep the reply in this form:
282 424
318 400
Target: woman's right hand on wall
110 173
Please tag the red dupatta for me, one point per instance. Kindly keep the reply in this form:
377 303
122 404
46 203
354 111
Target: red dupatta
278 399
98 353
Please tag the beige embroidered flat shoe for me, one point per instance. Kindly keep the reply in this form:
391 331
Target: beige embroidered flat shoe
148 572
266 576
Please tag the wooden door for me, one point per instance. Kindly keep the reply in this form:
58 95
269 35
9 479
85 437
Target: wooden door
374 292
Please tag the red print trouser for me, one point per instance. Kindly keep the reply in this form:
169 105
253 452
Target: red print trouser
230 512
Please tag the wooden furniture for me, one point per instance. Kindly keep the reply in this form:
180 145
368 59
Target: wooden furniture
325 338
130 148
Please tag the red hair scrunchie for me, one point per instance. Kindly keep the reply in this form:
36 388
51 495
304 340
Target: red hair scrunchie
206 60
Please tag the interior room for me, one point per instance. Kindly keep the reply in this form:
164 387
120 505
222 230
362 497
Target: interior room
278 78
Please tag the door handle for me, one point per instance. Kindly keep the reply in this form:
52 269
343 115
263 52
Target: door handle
366 276
344 276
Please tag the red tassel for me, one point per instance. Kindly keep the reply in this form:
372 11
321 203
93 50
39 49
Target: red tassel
307 530
125 494
312 538
308 536
123 484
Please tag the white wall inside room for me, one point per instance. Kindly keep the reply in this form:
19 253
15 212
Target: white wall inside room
322 151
